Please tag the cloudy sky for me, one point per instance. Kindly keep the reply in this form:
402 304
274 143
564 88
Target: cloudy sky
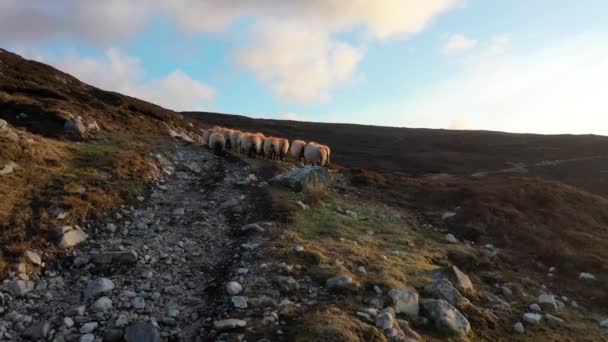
520 66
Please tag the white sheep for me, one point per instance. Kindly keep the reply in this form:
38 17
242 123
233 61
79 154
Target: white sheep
217 142
296 151
235 138
283 148
247 144
227 132
258 144
315 154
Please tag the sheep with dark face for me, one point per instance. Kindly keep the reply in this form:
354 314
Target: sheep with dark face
217 143
296 151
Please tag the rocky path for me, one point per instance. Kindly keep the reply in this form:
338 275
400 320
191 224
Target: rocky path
153 273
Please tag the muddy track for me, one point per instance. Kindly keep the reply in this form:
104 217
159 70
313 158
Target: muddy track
186 239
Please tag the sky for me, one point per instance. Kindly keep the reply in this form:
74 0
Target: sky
520 66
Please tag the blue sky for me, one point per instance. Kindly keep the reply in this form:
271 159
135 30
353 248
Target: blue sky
521 66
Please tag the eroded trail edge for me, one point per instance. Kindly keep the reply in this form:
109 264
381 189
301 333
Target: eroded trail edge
165 263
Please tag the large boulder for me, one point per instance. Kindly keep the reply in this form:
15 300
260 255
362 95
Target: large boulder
75 128
443 289
446 317
308 177
405 301
456 277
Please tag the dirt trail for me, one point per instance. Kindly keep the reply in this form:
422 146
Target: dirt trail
168 259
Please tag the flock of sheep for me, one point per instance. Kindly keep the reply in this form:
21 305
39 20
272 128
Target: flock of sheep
220 139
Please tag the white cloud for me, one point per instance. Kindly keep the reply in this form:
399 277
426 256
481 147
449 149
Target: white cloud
457 43
318 68
556 88
117 72
299 63
498 45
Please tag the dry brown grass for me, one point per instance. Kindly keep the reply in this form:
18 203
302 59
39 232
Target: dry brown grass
333 324
113 171
315 195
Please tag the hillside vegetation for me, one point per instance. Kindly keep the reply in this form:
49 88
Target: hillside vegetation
172 241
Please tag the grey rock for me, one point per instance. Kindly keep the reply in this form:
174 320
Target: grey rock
446 317
451 238
604 323
233 288
455 276
128 257
554 321
405 301
532 317
299 248
229 324
304 178
37 332
87 338
586 276
287 284
519 328
138 303
71 237
33 258
111 227
443 289
88 328
351 214
19 288
547 302
141 331
75 128
68 322
252 228
239 302
112 335
102 304
77 311
385 320
339 282
122 320
99 286
535 307
9 168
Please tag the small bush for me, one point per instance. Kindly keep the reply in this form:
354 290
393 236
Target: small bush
314 195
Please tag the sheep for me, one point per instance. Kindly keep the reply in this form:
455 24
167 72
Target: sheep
235 138
247 144
283 148
268 148
315 154
227 132
276 147
328 152
297 149
217 142
258 144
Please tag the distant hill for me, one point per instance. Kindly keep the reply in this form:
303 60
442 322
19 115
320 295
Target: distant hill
579 160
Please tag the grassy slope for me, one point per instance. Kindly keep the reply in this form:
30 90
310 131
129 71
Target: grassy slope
36 100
